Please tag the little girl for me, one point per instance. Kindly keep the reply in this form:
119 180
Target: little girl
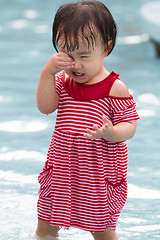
84 181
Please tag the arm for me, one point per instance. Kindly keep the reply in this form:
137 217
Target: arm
47 98
119 132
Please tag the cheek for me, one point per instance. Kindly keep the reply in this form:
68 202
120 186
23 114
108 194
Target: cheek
91 63
96 63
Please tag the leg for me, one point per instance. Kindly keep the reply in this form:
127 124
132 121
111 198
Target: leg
45 229
108 234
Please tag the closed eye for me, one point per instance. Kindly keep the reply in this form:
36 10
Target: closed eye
84 56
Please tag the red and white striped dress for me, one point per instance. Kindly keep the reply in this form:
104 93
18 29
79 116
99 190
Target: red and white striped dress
83 183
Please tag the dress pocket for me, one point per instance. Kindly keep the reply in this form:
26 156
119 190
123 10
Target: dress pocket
117 195
45 180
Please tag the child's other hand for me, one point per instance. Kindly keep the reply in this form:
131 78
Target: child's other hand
106 131
58 62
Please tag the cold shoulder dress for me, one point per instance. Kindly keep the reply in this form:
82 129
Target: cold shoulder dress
84 182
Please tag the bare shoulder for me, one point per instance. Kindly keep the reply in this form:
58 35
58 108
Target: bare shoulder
119 89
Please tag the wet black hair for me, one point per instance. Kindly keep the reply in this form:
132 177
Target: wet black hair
84 19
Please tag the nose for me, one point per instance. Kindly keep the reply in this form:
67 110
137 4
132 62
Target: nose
77 65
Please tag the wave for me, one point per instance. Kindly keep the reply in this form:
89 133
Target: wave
142 193
136 39
151 101
146 228
23 126
5 99
149 98
21 155
12 178
146 112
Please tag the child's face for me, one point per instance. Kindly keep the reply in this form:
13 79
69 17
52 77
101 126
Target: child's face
88 67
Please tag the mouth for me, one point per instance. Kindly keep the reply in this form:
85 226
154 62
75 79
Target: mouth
78 75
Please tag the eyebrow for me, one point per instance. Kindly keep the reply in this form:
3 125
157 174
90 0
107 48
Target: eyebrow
84 53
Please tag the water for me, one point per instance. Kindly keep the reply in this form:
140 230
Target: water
25 134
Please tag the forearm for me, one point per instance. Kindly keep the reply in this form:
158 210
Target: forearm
121 132
47 98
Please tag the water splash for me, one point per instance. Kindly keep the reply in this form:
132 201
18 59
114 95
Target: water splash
35 237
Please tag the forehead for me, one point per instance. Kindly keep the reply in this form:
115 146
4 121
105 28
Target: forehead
86 38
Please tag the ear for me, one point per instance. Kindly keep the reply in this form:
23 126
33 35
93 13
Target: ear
108 47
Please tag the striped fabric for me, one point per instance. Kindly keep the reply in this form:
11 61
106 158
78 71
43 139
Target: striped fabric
83 183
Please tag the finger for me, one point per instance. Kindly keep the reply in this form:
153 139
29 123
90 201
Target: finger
88 136
96 128
66 64
65 60
70 66
65 57
68 59
106 121
90 132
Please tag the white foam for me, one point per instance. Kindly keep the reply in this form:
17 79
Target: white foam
19 24
150 11
137 39
5 99
11 178
142 193
18 214
157 173
34 53
132 220
21 155
146 228
42 29
146 112
149 98
23 126
30 14
4 149
142 169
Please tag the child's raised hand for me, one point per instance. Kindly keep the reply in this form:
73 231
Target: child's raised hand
58 62
106 131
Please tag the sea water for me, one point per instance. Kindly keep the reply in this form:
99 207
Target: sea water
25 133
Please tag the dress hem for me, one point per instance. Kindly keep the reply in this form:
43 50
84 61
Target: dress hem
74 226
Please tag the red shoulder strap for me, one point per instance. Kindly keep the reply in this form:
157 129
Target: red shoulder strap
90 91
